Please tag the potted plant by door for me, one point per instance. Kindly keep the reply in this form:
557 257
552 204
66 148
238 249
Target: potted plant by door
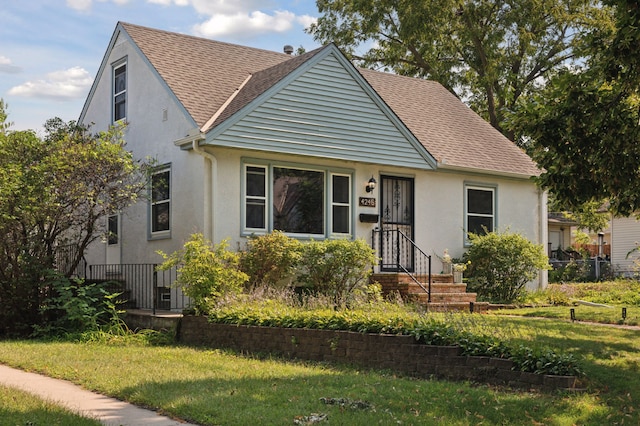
458 270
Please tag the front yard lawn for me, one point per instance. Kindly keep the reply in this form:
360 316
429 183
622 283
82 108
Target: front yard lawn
612 315
213 387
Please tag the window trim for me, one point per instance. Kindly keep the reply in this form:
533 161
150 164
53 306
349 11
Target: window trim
157 235
268 166
114 67
493 188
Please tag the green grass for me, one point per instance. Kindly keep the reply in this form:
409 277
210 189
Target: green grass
213 387
584 313
21 408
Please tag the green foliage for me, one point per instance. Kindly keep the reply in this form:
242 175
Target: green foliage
73 306
618 292
269 259
574 271
336 267
55 192
551 295
583 127
205 271
545 361
501 265
490 53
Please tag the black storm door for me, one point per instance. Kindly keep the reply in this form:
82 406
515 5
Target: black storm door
396 220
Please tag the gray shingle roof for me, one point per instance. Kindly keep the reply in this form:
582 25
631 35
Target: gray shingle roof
203 74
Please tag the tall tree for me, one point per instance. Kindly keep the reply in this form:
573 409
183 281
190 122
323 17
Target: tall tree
488 53
583 128
54 192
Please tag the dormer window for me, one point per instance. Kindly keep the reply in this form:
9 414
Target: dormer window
120 92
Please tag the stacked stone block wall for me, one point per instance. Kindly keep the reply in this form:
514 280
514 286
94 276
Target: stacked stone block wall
393 352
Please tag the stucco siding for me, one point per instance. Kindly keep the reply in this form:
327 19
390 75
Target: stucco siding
155 121
325 113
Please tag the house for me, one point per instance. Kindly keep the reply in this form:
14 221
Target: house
248 140
625 240
561 230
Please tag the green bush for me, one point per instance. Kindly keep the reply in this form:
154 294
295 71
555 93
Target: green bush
501 265
74 306
269 259
205 271
336 267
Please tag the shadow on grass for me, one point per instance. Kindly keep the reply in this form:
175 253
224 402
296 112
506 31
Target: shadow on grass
361 398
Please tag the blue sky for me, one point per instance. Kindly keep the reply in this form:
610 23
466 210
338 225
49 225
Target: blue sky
50 50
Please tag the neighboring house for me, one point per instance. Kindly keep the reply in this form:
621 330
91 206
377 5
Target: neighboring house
560 234
248 141
625 239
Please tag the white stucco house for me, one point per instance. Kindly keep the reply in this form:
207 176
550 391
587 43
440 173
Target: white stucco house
248 141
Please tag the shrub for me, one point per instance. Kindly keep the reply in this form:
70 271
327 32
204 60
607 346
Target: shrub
205 271
270 259
74 306
336 267
502 263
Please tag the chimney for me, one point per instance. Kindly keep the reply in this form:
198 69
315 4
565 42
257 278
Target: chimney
288 49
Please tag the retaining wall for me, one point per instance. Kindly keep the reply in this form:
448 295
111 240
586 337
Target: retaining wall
380 351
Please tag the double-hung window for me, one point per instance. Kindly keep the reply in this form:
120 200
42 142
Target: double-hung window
294 200
255 198
341 204
112 230
120 91
160 211
480 202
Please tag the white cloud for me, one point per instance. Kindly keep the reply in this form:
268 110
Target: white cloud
72 83
81 5
85 5
251 24
7 67
168 2
306 20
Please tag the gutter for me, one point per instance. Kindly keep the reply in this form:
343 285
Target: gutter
444 166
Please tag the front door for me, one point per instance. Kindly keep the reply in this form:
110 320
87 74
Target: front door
396 222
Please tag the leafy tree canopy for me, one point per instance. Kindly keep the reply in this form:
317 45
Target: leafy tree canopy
583 127
488 53
55 191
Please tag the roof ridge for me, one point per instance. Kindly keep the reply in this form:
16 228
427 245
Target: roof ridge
175 33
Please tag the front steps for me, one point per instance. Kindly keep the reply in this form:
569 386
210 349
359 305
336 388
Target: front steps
445 294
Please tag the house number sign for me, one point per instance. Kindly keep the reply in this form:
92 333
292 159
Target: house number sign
367 202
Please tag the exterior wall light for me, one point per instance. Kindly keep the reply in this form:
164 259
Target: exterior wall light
371 185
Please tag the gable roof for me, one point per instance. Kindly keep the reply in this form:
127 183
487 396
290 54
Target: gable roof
214 80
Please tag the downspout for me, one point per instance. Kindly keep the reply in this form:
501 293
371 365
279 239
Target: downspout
210 164
210 170
544 235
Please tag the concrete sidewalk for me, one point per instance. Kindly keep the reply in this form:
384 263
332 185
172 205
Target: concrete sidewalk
109 411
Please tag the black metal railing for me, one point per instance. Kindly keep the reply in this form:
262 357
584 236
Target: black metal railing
64 258
143 286
399 253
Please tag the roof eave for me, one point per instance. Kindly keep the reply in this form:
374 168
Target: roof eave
473 170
